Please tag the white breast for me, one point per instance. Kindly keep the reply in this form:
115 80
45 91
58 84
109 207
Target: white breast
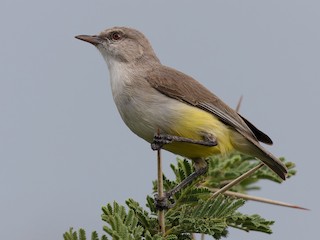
142 108
119 76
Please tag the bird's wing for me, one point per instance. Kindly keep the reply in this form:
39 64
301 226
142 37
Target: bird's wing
180 86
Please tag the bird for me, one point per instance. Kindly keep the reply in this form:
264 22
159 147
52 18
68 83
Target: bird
172 110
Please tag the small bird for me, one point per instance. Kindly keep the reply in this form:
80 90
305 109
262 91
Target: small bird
170 109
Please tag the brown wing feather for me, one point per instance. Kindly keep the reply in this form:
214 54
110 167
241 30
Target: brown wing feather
180 86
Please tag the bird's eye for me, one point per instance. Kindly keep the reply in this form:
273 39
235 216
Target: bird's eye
116 36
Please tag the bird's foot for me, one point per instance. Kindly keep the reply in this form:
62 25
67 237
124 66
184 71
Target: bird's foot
163 203
159 140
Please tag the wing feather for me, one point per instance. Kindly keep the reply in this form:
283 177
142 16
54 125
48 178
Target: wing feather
182 87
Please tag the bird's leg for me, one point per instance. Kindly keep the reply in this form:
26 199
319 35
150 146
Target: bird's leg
159 140
165 202
201 166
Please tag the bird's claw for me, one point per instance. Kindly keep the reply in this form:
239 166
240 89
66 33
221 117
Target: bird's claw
163 203
159 140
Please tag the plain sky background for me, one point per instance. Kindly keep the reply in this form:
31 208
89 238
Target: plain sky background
65 152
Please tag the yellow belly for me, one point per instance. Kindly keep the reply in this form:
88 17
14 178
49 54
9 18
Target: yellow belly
192 123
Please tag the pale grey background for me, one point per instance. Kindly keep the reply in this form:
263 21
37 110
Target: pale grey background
64 151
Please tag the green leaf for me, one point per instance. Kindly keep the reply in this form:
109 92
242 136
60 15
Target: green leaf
81 235
250 223
194 210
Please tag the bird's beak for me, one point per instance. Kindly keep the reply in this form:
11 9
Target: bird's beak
94 39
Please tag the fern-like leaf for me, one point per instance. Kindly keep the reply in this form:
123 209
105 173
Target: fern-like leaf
194 210
250 223
81 235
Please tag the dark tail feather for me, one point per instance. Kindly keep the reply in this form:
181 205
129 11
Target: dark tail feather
261 136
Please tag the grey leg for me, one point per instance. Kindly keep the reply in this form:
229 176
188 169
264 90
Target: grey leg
161 139
163 203
201 166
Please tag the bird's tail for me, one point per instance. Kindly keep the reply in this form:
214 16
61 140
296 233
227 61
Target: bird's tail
253 148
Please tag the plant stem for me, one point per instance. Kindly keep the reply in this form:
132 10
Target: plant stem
236 181
160 193
258 199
